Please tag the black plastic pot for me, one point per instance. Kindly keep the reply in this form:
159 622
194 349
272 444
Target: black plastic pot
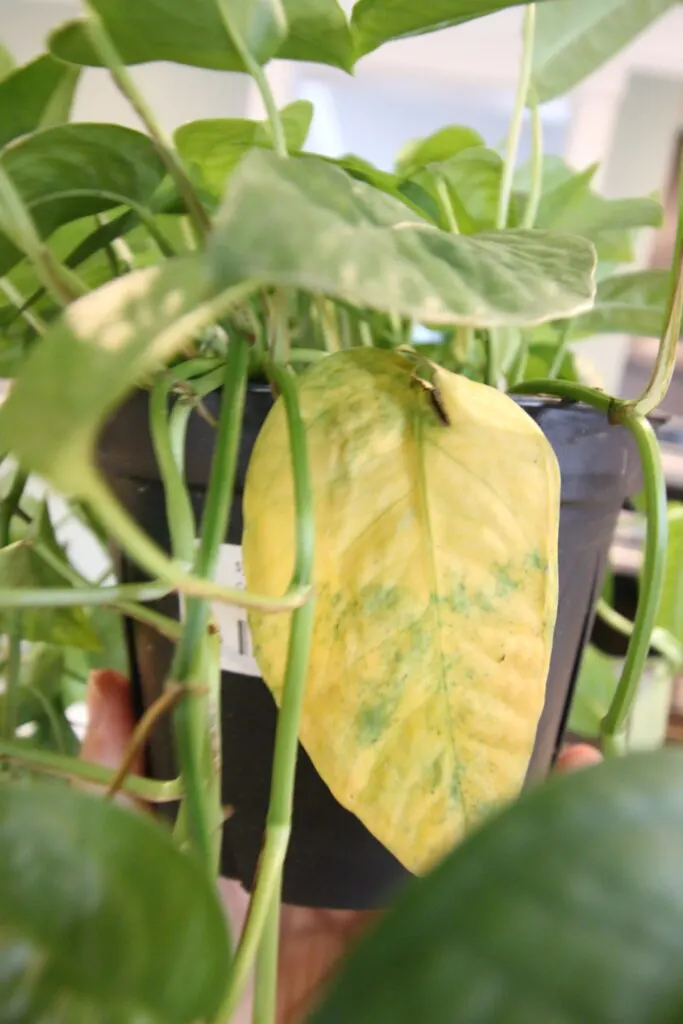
333 861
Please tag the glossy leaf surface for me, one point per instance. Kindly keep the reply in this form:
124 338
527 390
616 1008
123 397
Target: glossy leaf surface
633 303
569 202
68 172
305 224
575 37
103 919
566 908
317 30
216 146
38 95
377 21
436 590
259 26
441 145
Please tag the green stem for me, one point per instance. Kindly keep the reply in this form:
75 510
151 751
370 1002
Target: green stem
167 627
667 353
12 681
536 189
19 302
179 514
566 389
657 529
72 597
9 506
147 616
652 572
561 350
307 355
493 356
517 117
191 719
446 206
254 69
265 981
17 223
106 50
153 560
662 641
280 327
278 823
149 790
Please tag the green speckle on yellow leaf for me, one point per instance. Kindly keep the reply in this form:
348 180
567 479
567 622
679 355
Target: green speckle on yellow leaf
433 621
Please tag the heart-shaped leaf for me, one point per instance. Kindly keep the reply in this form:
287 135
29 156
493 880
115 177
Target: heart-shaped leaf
472 179
377 21
436 589
104 344
68 172
575 37
21 566
633 303
216 146
305 224
566 908
38 95
195 34
436 148
569 203
102 917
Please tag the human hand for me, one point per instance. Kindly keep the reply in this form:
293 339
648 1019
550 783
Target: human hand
312 942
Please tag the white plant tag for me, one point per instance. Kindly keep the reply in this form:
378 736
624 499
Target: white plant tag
237 652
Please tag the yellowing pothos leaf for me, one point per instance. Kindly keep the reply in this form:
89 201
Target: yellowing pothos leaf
436 588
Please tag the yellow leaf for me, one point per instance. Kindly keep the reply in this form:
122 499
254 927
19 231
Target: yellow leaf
436 591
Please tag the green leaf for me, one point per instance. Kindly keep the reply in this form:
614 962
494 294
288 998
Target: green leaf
7 63
20 566
670 613
306 224
568 203
258 27
87 362
575 37
103 918
40 699
38 95
442 145
195 34
566 908
68 172
595 688
541 358
216 146
377 21
633 303
473 180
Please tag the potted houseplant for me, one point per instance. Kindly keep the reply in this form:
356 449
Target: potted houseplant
302 256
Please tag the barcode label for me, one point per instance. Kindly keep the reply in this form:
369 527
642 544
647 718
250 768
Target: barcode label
237 651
